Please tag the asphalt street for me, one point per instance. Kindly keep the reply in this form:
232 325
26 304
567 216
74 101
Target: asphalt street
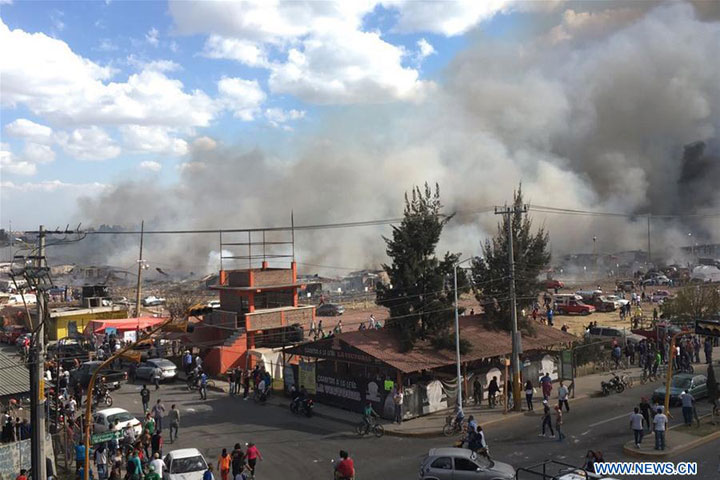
298 447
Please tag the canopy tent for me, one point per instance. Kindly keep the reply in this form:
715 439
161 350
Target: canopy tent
122 325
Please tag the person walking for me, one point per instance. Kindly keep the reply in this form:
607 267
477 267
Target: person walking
345 469
559 422
687 407
156 377
203 385
529 394
659 426
224 464
208 475
398 403
637 426
101 461
252 454
645 411
708 348
174 422
546 385
145 397
477 390
563 397
546 420
158 464
156 443
493 390
158 411
237 463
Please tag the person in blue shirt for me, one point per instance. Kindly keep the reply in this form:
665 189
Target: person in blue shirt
208 475
79 456
203 386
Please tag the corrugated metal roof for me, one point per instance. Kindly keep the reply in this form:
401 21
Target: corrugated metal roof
14 376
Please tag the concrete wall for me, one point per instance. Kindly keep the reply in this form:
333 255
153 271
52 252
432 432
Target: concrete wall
262 278
16 455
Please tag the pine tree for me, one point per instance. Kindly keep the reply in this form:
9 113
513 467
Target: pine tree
420 295
491 274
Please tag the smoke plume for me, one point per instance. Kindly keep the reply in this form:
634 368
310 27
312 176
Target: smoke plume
624 118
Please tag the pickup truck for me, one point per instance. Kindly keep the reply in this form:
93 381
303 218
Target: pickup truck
662 328
111 378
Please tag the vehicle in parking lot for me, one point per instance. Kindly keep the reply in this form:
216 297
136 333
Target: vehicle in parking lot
619 301
659 296
626 286
185 464
461 464
10 333
603 304
145 369
657 280
213 304
111 378
551 284
152 301
683 382
571 303
663 329
104 418
608 333
329 310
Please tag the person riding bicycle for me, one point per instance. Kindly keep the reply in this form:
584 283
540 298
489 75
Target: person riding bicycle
368 414
459 416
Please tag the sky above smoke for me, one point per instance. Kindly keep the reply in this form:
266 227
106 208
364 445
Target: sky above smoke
591 107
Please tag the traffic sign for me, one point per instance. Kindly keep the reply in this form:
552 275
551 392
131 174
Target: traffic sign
104 437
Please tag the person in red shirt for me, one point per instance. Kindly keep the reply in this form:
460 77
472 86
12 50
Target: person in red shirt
22 476
345 469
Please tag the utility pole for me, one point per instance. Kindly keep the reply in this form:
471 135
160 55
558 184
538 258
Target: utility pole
37 375
648 239
140 269
509 212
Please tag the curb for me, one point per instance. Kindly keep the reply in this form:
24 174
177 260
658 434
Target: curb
674 451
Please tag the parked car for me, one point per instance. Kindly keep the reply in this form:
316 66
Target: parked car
185 464
111 378
571 303
659 296
104 418
11 333
657 280
152 301
329 310
214 304
145 369
553 284
683 382
619 301
626 286
462 463
603 304
608 333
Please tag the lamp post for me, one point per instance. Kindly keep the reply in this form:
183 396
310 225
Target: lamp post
457 331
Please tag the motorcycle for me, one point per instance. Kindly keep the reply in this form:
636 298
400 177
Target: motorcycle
304 407
102 396
615 384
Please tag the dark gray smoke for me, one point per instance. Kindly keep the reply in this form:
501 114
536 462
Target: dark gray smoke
600 111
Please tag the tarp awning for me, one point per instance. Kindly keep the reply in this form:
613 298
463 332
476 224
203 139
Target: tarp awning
123 324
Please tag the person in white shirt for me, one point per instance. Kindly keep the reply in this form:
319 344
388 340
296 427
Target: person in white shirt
398 403
563 397
636 424
659 426
158 464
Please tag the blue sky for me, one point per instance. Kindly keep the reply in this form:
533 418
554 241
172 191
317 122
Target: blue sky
81 153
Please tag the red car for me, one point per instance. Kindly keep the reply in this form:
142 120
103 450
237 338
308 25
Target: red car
553 284
11 333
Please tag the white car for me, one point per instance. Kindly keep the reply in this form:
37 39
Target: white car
153 301
185 464
104 418
214 304
619 302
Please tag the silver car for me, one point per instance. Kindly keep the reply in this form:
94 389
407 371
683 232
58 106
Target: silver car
462 464
145 370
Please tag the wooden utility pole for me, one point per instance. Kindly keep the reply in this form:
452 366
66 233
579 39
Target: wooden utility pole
509 212
140 269
37 374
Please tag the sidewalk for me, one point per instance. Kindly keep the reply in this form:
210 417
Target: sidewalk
678 439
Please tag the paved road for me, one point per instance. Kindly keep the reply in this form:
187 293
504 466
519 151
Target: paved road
297 447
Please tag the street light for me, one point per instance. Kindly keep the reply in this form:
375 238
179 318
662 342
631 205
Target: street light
457 330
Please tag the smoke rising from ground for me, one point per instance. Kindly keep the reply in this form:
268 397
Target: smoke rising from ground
602 122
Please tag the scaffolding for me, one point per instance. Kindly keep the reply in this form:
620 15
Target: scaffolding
257 240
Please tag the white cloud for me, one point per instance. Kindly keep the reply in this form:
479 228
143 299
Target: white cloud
242 51
153 65
448 18
37 153
106 45
152 37
242 97
11 164
6 2
344 67
141 138
425 49
151 166
591 24
46 76
53 186
204 144
29 130
91 143
277 116
191 167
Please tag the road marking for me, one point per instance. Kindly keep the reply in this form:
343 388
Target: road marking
624 415
585 432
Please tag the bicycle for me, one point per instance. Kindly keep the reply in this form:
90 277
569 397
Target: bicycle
363 428
453 427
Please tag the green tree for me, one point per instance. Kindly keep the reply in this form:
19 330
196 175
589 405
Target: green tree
420 295
491 274
691 303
